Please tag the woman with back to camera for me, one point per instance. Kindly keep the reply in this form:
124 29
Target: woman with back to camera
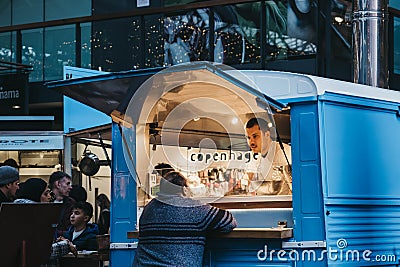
173 227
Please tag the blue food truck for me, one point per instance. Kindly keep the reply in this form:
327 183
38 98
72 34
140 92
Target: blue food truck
344 204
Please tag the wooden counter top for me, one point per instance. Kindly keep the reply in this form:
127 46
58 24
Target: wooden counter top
275 233
267 233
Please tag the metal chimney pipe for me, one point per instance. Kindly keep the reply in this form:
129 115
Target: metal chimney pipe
370 42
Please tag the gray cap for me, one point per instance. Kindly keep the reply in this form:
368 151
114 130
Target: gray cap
8 175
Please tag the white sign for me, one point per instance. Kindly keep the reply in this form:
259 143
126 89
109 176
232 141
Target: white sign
142 3
34 142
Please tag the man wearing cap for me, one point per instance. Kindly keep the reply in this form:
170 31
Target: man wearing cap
9 179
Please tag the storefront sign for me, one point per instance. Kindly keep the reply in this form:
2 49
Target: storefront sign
31 142
13 94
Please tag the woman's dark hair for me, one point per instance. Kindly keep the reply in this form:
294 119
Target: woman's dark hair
173 183
163 169
176 178
32 189
103 202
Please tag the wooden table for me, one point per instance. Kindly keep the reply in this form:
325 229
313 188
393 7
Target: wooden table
88 260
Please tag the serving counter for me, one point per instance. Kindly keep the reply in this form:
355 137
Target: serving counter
263 233
251 202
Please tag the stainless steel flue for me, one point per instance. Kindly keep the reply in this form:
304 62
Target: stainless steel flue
370 42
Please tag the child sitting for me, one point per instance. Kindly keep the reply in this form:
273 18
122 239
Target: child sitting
81 235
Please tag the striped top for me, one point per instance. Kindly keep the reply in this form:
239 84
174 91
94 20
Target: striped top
173 232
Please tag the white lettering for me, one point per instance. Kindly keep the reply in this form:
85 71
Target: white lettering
262 251
366 254
281 254
332 257
12 94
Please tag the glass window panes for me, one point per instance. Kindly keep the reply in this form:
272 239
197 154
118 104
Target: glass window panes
110 44
135 42
394 4
186 37
154 43
396 45
290 31
59 50
61 9
237 34
86 45
6 51
177 2
27 11
341 14
5 13
108 7
32 52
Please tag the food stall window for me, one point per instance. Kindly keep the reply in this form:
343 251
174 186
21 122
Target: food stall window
198 123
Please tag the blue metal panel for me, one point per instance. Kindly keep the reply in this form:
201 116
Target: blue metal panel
245 252
360 169
308 174
361 151
123 204
360 228
309 140
308 210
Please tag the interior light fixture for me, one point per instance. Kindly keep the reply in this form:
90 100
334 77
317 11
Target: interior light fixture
339 19
196 119
16 107
235 120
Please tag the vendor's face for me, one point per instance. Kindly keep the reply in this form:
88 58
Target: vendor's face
258 140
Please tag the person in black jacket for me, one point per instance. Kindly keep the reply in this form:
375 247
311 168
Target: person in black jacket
9 180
